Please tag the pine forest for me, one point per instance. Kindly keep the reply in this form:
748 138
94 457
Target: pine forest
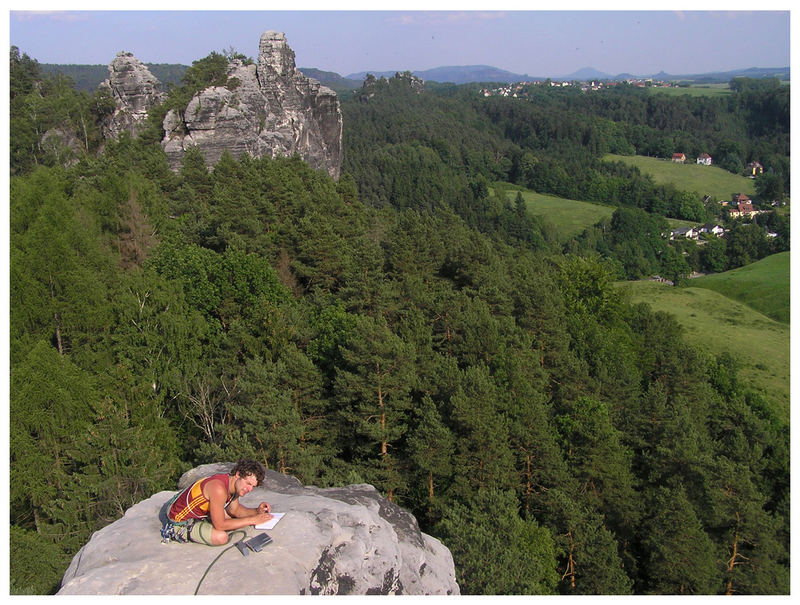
410 325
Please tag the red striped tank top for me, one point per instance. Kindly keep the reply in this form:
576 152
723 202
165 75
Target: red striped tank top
192 504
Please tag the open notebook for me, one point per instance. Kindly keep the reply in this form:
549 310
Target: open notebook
272 522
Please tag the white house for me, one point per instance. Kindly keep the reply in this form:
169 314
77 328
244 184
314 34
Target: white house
712 229
687 232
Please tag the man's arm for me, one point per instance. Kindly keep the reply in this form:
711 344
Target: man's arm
239 510
218 496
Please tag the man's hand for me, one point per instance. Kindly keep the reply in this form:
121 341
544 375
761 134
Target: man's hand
264 507
260 518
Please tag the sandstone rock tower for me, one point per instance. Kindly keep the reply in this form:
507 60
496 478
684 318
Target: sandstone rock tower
269 108
134 90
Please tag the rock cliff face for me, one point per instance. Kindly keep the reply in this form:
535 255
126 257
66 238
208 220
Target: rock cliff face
268 108
134 90
346 540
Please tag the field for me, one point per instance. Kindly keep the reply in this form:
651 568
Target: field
568 217
695 90
705 180
716 323
674 223
763 286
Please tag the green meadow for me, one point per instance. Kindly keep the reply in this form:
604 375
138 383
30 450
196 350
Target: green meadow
763 285
674 223
570 217
716 324
694 90
567 217
704 180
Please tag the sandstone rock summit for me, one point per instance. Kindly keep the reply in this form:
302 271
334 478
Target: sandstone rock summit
268 108
346 540
134 90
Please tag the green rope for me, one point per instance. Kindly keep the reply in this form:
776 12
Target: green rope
238 531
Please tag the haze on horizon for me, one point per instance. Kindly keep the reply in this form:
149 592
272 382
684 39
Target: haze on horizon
536 43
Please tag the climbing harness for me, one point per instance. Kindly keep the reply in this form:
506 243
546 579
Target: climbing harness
175 531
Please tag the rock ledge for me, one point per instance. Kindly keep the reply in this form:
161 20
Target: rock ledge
347 540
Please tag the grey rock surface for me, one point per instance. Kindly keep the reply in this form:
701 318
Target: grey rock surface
347 540
266 109
134 90
63 144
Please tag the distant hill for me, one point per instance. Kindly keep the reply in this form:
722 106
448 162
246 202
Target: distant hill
88 77
782 73
456 74
485 73
590 73
332 79
84 77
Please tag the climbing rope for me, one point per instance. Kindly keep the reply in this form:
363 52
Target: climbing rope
238 531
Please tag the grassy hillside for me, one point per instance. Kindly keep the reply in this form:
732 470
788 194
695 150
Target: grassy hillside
717 324
571 217
705 180
568 217
694 90
674 223
763 285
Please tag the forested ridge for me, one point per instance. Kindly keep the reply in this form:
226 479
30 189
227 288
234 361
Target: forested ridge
404 327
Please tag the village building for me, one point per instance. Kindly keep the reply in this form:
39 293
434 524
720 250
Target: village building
704 159
754 169
679 158
743 209
712 229
685 232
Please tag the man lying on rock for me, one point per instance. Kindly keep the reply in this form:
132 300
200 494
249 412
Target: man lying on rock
208 509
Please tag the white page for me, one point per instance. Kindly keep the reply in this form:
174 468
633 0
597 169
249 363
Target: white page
272 522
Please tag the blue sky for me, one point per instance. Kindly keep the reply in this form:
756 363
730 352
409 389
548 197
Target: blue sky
537 43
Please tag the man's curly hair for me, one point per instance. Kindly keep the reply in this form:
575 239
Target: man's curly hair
248 467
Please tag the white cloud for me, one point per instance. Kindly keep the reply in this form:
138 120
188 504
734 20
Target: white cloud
402 19
62 16
475 16
444 17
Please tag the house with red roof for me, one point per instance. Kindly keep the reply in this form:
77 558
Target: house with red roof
743 208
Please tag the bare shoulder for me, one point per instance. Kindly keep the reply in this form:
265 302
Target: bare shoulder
216 490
